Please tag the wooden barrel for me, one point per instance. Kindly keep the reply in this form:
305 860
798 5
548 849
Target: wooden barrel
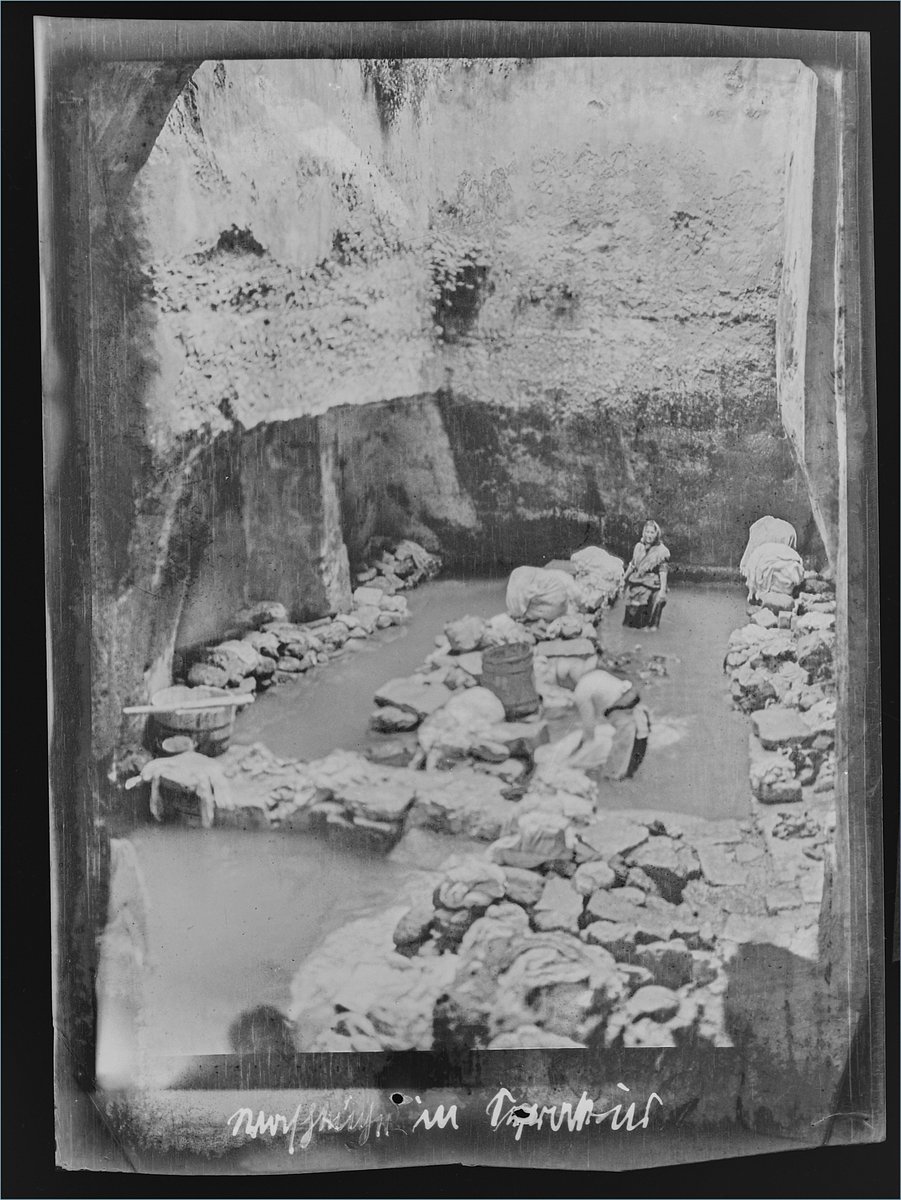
507 671
209 728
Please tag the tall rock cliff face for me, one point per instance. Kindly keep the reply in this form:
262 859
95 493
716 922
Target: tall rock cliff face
514 306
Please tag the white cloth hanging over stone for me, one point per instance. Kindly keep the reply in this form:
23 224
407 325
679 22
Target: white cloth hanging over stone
768 529
195 773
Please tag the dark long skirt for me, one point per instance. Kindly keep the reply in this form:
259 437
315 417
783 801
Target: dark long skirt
645 615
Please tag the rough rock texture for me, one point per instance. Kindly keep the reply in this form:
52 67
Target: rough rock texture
297 275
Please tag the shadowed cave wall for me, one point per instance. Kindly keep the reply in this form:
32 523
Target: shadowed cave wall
505 307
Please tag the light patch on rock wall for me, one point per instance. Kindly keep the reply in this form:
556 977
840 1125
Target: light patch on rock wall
553 283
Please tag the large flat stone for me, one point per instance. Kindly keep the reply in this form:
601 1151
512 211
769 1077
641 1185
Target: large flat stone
645 925
368 597
377 802
725 832
413 696
461 802
719 869
746 853
779 728
390 719
607 837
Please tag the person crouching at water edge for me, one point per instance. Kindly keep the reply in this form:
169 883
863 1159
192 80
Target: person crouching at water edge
645 580
600 696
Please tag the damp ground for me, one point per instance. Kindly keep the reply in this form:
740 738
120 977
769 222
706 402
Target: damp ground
235 914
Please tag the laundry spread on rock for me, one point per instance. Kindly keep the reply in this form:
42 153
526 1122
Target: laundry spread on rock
568 919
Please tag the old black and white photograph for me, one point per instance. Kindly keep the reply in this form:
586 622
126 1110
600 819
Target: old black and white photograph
461 592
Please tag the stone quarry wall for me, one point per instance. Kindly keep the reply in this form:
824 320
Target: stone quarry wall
510 306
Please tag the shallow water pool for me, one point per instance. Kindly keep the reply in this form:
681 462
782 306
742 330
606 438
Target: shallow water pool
234 915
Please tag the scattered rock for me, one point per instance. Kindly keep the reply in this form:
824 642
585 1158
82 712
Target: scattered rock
752 688
510 770
413 929
719 868
393 720
450 924
568 626
605 838
658 1003
705 967
593 877
772 778
376 801
522 886
636 878
290 665
264 643
521 738
816 653
616 937
539 839
465 634
462 801
206 675
778 647
669 863
471 883
261 613
777 601
559 906
780 727
811 621
765 618
392 754
633 976
367 597
607 905
242 651
335 635
489 752
368 616
670 963
414 696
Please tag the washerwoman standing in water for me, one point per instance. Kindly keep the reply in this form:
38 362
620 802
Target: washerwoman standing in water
645 580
